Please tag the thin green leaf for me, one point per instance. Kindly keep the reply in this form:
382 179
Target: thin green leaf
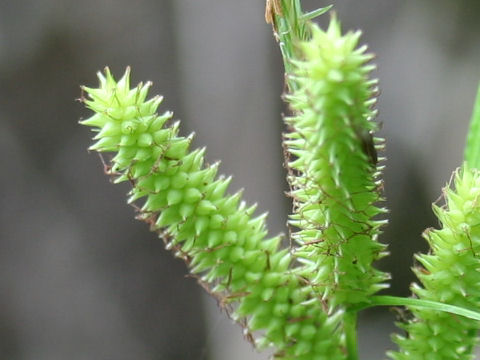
315 13
472 149
382 300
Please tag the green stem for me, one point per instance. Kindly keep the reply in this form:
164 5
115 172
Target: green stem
384 300
350 325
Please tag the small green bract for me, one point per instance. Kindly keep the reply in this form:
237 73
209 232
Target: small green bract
333 173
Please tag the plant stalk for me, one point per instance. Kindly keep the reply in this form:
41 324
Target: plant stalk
350 326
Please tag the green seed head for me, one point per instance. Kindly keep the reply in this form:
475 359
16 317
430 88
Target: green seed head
225 246
333 166
449 274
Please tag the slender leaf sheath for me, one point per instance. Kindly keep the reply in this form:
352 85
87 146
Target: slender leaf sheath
215 233
449 274
472 148
333 167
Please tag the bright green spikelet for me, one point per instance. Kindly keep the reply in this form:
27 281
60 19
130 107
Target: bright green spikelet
216 234
450 275
333 172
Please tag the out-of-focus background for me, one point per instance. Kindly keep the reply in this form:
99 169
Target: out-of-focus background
79 277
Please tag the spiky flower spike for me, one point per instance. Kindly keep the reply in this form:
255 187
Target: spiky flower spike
450 275
334 172
213 232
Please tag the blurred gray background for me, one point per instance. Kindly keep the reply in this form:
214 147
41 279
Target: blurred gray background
79 277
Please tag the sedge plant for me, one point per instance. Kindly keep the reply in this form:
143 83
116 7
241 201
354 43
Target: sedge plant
303 300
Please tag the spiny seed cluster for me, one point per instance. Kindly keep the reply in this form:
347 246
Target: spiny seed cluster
333 167
224 245
450 275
